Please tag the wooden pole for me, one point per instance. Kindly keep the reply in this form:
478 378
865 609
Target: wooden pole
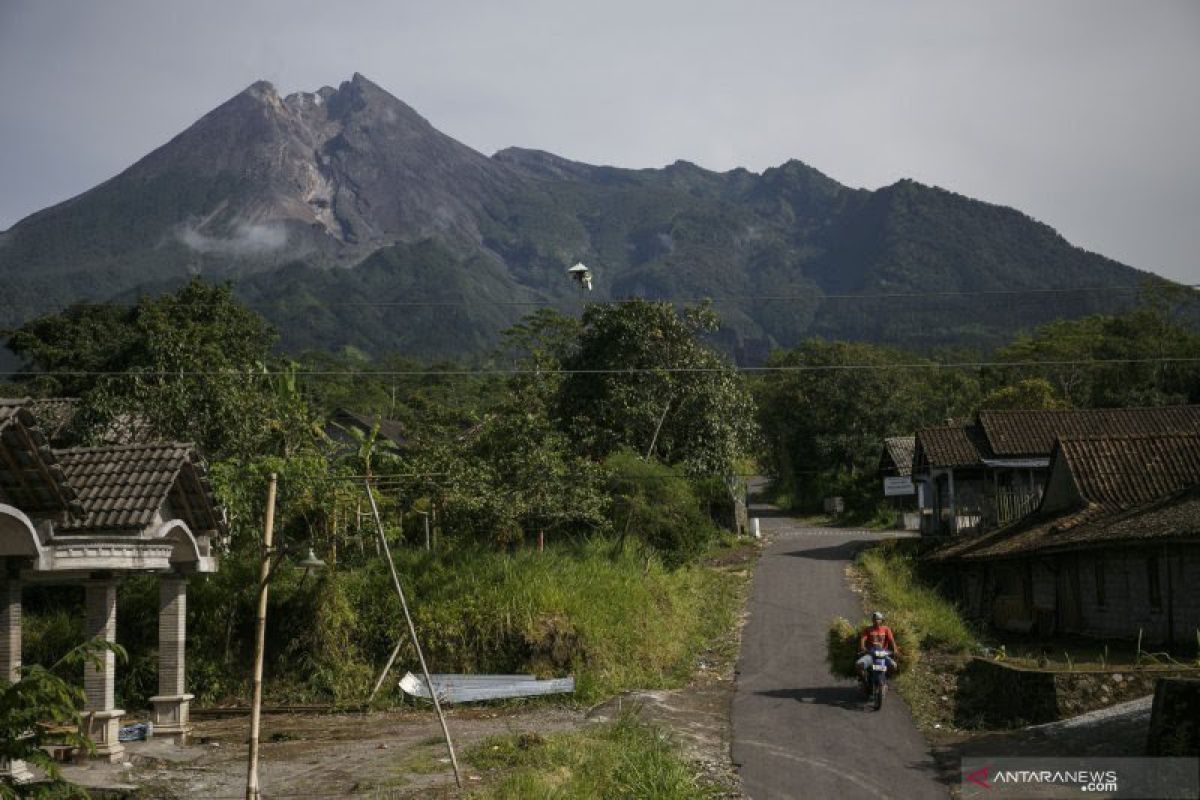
386 669
412 631
260 630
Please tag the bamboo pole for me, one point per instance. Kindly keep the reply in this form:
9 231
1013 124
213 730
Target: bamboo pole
386 669
264 575
412 630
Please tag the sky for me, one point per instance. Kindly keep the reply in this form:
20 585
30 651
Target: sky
1084 114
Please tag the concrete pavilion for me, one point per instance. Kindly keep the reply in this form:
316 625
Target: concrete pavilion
89 516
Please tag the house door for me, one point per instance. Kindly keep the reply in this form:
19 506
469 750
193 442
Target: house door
1068 602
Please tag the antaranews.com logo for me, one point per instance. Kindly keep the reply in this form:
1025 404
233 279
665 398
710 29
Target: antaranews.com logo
998 778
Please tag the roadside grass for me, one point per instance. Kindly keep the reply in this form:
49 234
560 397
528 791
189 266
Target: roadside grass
625 759
894 586
614 620
932 635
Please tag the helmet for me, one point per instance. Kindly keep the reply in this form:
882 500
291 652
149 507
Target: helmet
877 616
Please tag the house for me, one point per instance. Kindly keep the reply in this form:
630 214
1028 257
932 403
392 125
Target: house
88 516
992 470
1112 550
895 470
343 421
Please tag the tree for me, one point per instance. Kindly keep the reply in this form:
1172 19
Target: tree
642 379
1028 393
827 409
31 706
191 366
74 346
1151 359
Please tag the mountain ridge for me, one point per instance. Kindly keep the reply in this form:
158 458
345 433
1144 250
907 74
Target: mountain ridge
349 188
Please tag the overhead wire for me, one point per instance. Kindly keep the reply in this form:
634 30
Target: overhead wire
490 371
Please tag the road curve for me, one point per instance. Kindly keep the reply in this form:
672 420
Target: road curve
798 732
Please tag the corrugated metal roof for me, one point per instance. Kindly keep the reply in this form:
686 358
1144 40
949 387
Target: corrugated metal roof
1031 433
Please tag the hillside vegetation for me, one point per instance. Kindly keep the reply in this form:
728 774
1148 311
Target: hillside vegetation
402 216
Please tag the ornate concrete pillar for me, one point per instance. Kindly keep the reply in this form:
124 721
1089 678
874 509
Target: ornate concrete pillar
172 703
10 657
10 628
101 717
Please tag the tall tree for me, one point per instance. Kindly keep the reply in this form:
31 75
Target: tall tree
641 378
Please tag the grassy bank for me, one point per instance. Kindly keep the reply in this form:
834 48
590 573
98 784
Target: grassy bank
930 631
894 586
624 759
616 621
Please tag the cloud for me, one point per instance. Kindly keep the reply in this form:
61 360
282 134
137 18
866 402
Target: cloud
248 239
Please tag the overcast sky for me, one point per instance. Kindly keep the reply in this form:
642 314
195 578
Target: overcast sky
1084 114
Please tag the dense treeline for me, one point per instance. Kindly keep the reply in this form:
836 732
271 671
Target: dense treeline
824 424
578 432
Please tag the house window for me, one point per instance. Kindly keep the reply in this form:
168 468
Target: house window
1152 586
1101 588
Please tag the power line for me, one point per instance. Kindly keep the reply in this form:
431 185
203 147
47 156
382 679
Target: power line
491 371
716 299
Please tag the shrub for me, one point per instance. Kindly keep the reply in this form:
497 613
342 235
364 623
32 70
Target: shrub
660 507
895 586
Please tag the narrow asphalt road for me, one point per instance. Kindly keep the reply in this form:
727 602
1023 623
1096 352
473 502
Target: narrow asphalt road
798 732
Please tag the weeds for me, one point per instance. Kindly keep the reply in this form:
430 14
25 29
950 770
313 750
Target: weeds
894 585
625 759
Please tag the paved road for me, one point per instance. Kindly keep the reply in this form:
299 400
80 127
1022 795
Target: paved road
798 732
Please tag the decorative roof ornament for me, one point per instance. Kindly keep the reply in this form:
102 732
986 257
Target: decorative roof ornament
582 275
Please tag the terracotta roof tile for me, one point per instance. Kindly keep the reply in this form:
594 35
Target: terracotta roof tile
123 486
900 450
1133 488
948 446
1032 433
31 477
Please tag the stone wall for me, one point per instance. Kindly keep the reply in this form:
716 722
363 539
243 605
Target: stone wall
997 695
1175 719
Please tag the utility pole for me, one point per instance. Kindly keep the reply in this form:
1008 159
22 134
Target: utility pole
264 575
412 630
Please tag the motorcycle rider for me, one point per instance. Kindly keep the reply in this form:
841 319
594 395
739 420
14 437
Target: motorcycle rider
876 637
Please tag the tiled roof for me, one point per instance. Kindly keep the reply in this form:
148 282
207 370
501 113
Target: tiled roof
31 477
1030 433
1131 488
948 446
54 415
1174 517
1118 472
899 449
123 487
115 487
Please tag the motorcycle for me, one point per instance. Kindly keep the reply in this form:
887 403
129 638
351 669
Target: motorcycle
875 679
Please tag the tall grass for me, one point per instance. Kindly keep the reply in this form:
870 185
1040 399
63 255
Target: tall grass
894 586
614 621
624 760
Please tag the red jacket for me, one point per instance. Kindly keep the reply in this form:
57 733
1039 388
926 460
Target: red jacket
880 637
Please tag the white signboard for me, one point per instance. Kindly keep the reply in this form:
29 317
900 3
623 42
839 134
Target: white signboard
896 487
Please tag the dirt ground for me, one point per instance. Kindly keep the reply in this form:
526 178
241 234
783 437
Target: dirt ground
401 754
392 754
